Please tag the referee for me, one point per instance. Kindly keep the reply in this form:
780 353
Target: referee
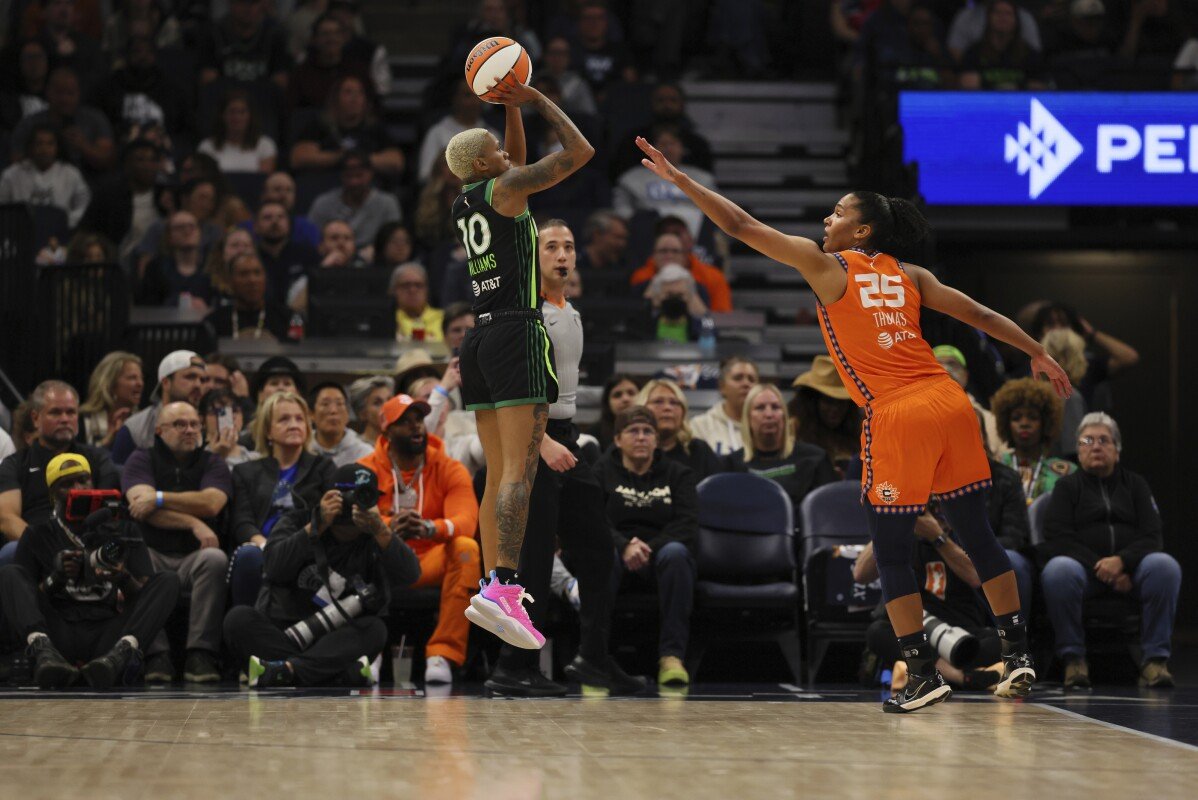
566 506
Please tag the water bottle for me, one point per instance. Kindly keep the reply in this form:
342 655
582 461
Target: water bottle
295 330
707 335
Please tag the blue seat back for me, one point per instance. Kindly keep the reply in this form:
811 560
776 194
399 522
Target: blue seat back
832 515
746 529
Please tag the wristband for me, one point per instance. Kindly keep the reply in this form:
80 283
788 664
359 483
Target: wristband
940 541
158 500
430 528
439 389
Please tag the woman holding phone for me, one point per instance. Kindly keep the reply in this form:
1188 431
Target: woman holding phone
223 421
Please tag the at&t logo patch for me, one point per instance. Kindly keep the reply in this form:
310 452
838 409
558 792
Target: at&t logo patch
885 340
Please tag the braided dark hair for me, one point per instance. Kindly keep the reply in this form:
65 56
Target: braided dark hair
895 222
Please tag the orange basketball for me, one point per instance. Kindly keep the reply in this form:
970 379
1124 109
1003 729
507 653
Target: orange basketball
491 59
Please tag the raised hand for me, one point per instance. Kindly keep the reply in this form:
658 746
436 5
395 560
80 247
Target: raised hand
509 91
1045 365
656 162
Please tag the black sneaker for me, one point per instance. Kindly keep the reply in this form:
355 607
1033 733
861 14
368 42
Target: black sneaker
159 669
522 683
920 691
610 676
358 674
1018 675
108 669
200 667
50 669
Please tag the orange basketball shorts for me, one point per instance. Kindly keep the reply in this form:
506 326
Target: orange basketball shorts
923 439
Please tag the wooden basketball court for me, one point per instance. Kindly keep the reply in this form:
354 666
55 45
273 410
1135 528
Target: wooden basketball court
728 742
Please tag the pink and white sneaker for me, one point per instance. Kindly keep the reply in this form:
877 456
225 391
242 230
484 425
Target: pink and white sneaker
499 608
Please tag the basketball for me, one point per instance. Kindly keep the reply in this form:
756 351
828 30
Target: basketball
491 59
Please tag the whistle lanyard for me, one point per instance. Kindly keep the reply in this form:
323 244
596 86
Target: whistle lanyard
1029 485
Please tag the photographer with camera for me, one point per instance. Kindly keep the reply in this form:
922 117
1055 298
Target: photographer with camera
328 577
24 500
81 587
177 491
957 624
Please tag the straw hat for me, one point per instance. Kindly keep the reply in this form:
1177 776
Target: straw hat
823 378
413 364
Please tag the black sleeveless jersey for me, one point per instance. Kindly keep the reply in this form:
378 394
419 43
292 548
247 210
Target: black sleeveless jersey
501 251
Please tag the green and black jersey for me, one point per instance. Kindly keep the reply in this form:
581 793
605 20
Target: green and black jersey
501 251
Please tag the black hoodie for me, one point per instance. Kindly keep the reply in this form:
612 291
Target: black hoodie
1090 518
658 507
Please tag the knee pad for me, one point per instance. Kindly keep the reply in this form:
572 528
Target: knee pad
894 543
970 519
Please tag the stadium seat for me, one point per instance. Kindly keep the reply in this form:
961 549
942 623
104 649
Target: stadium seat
831 517
747 588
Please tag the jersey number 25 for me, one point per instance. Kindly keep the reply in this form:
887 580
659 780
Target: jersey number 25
881 290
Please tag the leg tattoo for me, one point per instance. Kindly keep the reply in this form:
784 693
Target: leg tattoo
511 502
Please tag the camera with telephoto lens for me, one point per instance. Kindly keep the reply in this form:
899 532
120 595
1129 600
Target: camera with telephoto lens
105 536
361 495
366 598
955 645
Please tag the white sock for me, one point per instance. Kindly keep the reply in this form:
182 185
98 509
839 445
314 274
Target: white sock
33 637
132 640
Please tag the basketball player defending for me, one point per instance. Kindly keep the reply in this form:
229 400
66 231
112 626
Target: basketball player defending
920 434
506 360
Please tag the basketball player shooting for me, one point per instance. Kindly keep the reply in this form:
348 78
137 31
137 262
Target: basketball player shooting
920 434
507 360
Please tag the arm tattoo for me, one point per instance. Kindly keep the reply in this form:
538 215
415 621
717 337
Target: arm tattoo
553 168
511 502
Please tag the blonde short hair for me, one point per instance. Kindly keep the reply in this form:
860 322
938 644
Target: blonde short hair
463 148
264 418
1069 349
685 435
746 433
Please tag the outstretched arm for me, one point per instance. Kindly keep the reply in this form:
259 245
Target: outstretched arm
514 186
821 270
957 304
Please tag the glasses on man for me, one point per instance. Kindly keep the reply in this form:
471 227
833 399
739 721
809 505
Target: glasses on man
183 425
1095 441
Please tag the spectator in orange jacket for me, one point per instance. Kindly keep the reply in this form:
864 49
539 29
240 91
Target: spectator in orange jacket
667 251
427 498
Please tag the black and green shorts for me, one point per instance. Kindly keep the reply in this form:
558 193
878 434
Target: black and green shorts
507 360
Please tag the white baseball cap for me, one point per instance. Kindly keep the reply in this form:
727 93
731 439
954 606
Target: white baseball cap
173 362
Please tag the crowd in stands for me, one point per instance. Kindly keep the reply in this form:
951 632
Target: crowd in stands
1020 44
223 162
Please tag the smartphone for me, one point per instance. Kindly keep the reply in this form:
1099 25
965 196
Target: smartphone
457 351
224 419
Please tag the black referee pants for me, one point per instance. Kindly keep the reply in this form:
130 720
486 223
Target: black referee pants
567 507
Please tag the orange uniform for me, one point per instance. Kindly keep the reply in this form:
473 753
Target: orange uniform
921 434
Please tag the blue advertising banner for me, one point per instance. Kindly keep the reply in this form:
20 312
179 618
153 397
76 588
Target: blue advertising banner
1053 148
